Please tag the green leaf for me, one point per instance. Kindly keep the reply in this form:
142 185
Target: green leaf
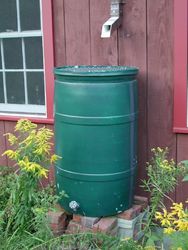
185 178
155 237
150 243
185 163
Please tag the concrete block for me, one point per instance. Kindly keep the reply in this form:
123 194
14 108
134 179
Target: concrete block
89 221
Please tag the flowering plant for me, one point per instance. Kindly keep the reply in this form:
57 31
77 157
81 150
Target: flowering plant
175 225
32 148
175 220
163 175
31 151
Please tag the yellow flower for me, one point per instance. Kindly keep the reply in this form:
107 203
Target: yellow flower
13 155
165 222
181 225
160 150
158 216
24 125
54 158
169 230
43 173
177 209
179 248
33 167
11 138
165 212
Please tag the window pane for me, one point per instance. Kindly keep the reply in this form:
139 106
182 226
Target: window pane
33 52
30 14
8 15
35 86
13 53
15 87
1 89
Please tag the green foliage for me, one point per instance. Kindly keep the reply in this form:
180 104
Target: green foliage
179 240
7 178
90 241
30 231
23 204
162 179
185 164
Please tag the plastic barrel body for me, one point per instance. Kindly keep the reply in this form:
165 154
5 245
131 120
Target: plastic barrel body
96 136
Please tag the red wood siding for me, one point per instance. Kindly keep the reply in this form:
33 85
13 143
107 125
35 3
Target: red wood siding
180 65
132 50
145 39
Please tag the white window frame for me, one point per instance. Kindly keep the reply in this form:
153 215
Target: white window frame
23 109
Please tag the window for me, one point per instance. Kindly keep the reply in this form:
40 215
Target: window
26 59
180 66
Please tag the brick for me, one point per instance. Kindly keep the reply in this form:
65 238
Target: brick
77 218
137 209
105 225
57 221
114 231
141 200
57 229
74 227
56 217
131 213
89 221
59 208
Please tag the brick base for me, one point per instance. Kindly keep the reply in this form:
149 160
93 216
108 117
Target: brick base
58 222
61 222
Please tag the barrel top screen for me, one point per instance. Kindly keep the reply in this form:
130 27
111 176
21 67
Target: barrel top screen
96 70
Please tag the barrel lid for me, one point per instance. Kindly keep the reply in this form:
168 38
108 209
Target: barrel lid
96 70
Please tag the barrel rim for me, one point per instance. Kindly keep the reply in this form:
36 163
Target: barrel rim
101 70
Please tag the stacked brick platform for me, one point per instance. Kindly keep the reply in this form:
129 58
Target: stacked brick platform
61 223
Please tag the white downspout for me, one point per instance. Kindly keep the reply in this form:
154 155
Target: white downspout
114 21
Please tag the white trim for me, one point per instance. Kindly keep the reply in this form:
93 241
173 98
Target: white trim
4 75
16 34
23 108
18 14
21 70
41 24
23 115
43 54
24 72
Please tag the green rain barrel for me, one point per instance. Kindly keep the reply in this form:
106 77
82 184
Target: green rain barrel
96 135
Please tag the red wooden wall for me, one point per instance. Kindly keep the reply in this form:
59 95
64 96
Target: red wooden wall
145 40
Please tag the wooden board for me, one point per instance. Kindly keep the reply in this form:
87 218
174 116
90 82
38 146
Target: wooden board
103 50
160 76
51 176
3 159
77 32
59 32
132 51
182 154
9 128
